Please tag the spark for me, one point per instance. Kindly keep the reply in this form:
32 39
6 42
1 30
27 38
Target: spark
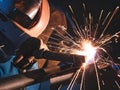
70 86
82 79
88 43
98 23
117 84
115 11
98 82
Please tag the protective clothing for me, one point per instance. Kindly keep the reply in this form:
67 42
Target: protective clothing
14 32
31 16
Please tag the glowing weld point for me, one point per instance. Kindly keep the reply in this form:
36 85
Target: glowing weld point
84 65
87 50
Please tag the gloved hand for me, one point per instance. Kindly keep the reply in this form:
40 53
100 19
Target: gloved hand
24 54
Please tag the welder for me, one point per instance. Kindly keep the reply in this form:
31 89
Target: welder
20 20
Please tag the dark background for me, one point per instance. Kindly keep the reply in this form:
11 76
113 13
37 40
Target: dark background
95 7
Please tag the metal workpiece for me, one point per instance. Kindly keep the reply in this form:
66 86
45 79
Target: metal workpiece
22 80
36 76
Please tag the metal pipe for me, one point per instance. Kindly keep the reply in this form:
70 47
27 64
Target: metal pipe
22 80
33 77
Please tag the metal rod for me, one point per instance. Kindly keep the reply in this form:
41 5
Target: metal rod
35 76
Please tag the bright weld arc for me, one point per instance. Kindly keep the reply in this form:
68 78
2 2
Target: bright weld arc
88 50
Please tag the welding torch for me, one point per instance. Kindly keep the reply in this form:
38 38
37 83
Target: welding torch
58 56
29 52
76 60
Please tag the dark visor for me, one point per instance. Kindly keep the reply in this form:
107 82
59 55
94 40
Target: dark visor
23 19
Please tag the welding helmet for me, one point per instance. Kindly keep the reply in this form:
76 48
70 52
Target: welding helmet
31 16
